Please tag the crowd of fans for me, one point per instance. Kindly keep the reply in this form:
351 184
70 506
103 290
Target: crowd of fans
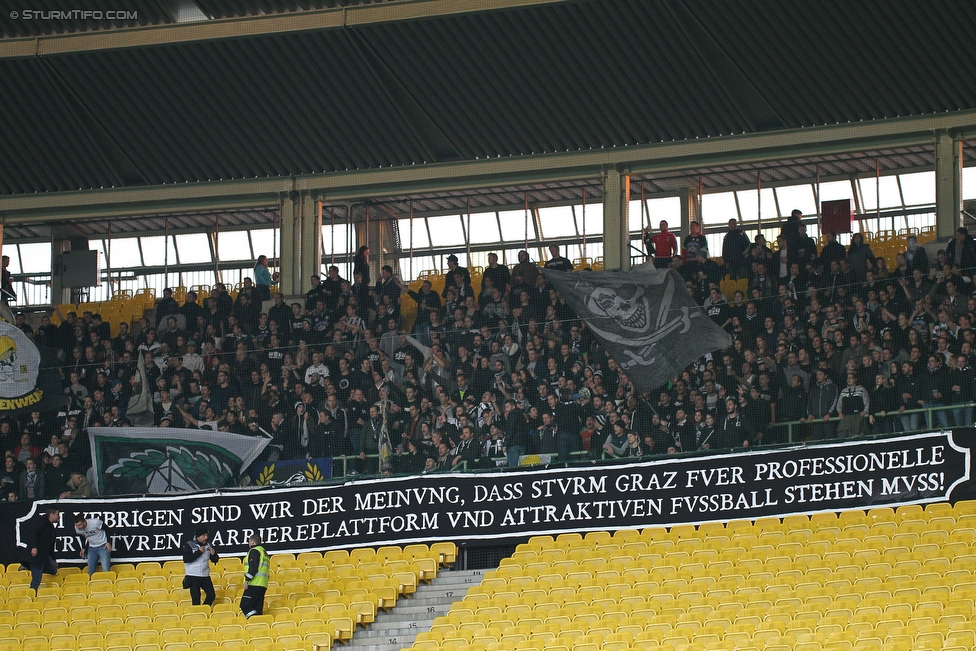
484 378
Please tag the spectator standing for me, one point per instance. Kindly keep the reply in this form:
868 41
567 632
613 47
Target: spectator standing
859 257
916 256
31 481
558 262
961 251
735 245
822 402
663 245
97 547
7 294
516 433
853 407
38 536
198 554
257 571
263 279
454 272
692 243
360 265
833 251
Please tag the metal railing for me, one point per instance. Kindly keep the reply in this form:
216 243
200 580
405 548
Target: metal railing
928 423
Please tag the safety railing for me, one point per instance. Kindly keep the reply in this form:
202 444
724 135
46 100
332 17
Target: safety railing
928 423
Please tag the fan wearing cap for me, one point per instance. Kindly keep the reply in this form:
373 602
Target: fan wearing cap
453 271
198 554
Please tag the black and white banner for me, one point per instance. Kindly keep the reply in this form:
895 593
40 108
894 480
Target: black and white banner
645 317
477 507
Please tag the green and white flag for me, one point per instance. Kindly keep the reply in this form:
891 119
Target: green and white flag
131 460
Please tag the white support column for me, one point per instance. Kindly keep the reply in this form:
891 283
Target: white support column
311 235
948 184
616 220
286 282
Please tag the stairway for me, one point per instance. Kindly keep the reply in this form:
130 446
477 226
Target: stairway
397 628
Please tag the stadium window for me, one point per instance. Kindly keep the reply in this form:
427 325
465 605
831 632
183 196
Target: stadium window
446 230
153 254
233 245
718 208
890 196
420 263
918 189
833 191
35 258
667 209
420 238
339 234
194 248
749 206
484 228
594 217
795 197
557 222
125 253
264 240
635 217
969 183
11 251
594 250
512 223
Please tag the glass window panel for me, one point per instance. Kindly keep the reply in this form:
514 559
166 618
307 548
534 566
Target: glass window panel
125 253
667 209
233 245
98 245
594 250
594 217
446 230
420 263
265 243
718 208
206 278
420 238
513 226
918 188
890 197
795 197
558 221
969 183
194 248
831 192
483 228
749 206
154 255
10 250
636 217
36 258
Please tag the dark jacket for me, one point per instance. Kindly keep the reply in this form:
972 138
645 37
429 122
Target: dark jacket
933 386
968 256
823 399
37 533
517 430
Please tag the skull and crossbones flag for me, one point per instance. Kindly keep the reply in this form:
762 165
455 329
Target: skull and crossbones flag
644 317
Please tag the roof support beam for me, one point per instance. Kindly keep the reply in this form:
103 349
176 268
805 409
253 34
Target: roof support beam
361 185
249 26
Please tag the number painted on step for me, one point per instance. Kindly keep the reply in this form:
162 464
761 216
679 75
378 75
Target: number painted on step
393 640
449 594
430 609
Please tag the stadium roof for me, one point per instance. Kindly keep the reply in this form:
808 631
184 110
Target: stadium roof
471 85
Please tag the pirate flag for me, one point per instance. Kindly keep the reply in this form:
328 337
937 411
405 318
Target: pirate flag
644 317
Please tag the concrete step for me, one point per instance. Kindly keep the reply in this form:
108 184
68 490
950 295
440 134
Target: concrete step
396 629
